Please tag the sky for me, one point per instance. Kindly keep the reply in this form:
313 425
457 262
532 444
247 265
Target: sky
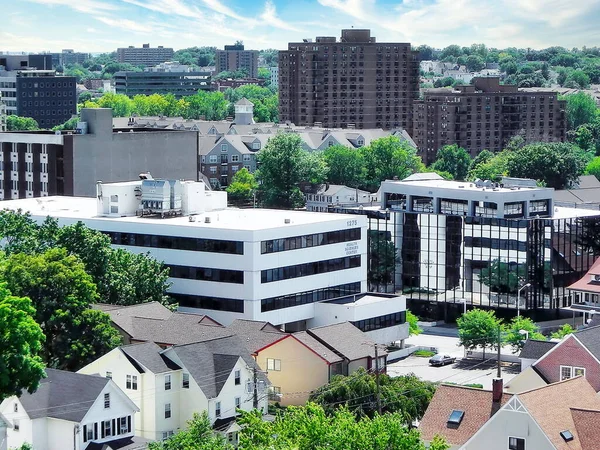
103 25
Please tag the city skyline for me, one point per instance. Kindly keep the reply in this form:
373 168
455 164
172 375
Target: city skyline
104 25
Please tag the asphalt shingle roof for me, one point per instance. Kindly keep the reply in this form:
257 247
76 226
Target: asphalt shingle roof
210 363
590 337
148 354
63 395
534 349
347 340
322 350
255 334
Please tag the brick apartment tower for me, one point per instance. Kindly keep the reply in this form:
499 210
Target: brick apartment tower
485 115
351 83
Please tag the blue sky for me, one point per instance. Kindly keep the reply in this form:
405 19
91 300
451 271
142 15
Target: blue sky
104 25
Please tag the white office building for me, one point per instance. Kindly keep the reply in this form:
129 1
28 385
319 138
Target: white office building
228 263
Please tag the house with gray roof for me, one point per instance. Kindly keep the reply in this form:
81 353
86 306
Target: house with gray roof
327 195
170 385
70 410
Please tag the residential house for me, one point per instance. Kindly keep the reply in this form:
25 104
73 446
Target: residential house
334 194
295 363
587 289
301 362
170 385
70 411
154 322
5 425
529 377
560 416
533 350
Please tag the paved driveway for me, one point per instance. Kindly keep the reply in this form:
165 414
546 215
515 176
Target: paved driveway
464 371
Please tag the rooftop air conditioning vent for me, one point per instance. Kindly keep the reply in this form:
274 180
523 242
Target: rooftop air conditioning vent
192 218
287 221
207 220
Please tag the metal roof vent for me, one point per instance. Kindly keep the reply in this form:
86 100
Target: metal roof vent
192 218
207 219
287 221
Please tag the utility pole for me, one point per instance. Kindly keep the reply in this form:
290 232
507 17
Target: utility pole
255 384
499 374
377 379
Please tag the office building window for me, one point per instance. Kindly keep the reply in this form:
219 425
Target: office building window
177 243
273 364
377 323
167 410
206 302
308 269
185 380
310 240
306 297
132 382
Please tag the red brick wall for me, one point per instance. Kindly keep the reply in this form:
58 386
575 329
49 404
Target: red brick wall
570 353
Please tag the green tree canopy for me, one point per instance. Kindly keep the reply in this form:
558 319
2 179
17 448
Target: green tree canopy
581 109
557 164
242 187
593 168
406 394
513 335
386 158
283 166
413 324
61 292
453 159
16 123
21 340
503 277
346 166
478 328
198 435
563 331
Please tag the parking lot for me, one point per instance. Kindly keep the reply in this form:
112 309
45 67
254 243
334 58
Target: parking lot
463 371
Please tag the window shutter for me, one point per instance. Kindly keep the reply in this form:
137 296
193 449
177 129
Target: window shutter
114 427
129 424
85 433
95 431
102 429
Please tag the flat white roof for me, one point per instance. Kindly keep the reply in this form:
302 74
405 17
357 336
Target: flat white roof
566 213
460 185
82 208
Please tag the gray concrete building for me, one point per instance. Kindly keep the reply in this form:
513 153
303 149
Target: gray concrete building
145 55
43 163
180 84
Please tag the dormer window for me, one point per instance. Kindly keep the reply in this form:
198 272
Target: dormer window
256 146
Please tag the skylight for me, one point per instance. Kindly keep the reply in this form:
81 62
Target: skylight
456 417
566 435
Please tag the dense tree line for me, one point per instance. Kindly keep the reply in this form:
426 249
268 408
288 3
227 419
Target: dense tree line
60 272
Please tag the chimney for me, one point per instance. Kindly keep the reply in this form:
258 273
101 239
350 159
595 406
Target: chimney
497 389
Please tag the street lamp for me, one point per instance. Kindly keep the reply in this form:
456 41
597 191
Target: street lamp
519 298
464 302
524 333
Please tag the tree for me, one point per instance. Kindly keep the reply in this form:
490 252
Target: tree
346 166
21 339
581 109
593 168
475 63
563 331
577 79
478 328
61 292
493 169
515 338
283 166
557 164
453 159
452 50
386 158
425 52
70 124
483 157
413 324
16 123
382 260
198 435
503 277
242 187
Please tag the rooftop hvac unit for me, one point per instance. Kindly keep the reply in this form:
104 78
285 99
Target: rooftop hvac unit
287 221
207 219
161 197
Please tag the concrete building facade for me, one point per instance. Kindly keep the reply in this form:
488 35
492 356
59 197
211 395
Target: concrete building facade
35 164
180 84
145 55
485 115
235 57
351 83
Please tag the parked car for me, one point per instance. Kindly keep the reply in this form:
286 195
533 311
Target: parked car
441 360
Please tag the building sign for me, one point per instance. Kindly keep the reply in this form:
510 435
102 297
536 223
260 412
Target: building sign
351 248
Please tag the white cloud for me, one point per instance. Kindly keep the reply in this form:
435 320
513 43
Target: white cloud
221 8
85 6
269 16
553 12
126 24
170 7
354 8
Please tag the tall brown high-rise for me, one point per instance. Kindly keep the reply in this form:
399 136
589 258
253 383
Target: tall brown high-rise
485 115
351 83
